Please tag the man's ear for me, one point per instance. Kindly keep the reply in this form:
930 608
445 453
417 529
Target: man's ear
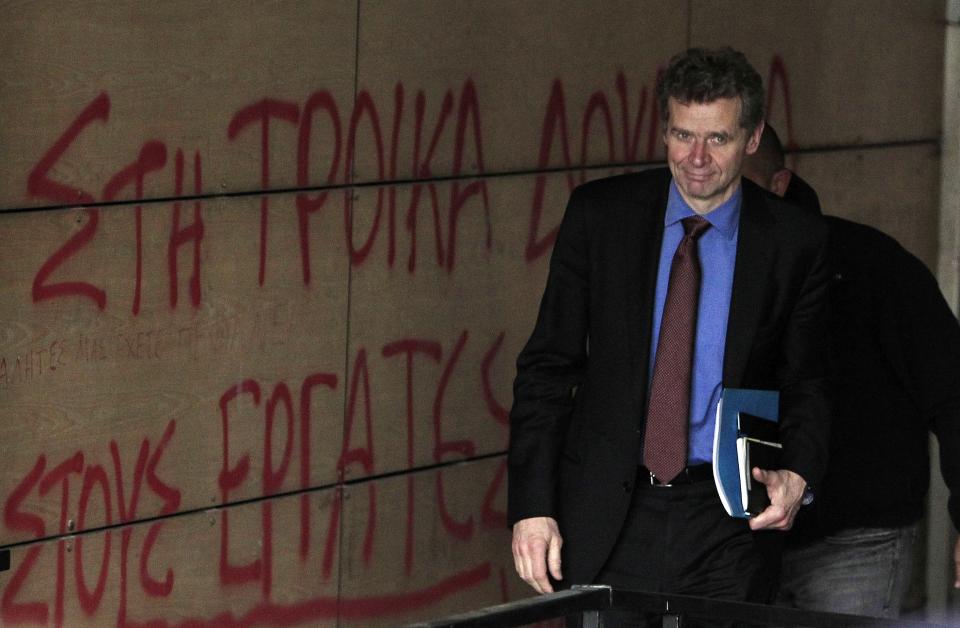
780 181
753 141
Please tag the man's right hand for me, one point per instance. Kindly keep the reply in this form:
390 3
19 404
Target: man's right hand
536 547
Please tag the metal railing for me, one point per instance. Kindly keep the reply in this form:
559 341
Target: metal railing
588 603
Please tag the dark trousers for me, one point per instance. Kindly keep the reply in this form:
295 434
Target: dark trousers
680 540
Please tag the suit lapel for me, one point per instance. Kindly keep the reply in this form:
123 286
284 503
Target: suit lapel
644 235
751 280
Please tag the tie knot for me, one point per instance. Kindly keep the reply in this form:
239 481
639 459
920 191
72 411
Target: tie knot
694 226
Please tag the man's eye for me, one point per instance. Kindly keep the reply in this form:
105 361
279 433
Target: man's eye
719 140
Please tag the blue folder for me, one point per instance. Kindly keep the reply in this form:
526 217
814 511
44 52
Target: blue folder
764 404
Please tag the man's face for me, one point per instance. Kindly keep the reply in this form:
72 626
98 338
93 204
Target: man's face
705 150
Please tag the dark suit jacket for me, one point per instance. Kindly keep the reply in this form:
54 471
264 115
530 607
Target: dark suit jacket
581 387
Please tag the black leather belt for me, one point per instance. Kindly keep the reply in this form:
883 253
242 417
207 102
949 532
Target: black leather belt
689 475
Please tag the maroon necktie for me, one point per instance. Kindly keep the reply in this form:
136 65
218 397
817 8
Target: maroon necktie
665 441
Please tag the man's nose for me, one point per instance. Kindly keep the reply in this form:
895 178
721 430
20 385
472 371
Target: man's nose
699 155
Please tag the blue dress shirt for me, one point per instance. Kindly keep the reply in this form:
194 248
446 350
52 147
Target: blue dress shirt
718 250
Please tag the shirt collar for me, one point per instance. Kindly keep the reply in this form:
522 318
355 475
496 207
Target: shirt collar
724 218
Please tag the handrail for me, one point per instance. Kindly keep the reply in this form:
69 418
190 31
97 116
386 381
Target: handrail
578 600
756 614
590 600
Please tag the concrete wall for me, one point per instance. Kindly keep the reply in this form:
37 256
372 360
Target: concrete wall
265 268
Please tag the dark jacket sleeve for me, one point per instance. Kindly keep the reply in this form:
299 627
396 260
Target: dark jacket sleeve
804 401
549 368
929 339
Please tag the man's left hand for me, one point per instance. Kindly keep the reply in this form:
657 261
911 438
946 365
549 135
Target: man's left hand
785 489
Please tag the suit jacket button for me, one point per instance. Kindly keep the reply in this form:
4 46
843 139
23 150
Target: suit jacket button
626 487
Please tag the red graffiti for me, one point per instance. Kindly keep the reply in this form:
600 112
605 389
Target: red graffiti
432 350
318 101
153 157
180 236
356 450
279 418
43 291
15 519
262 112
556 130
39 184
230 479
329 607
287 418
310 382
94 481
778 77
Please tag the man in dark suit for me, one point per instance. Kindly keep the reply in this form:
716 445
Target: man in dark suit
895 372
581 491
